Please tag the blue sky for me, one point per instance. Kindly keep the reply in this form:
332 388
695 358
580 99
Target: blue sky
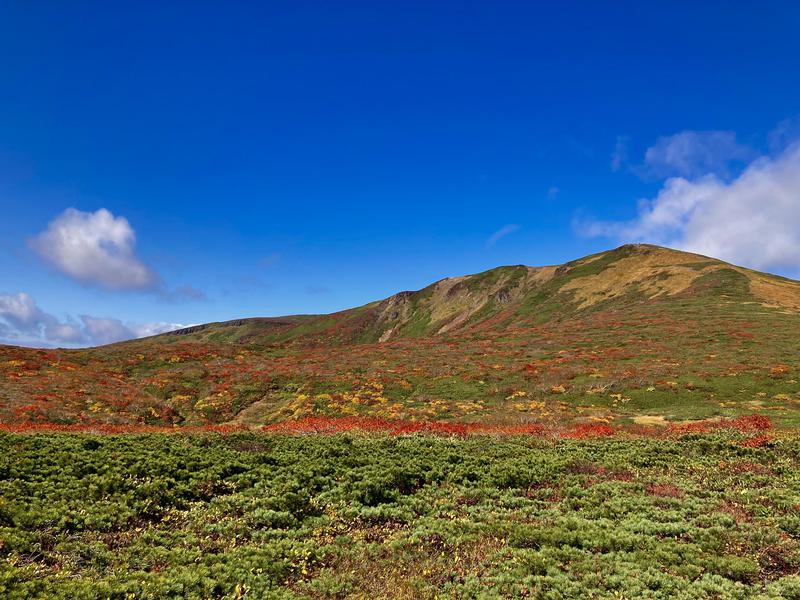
250 159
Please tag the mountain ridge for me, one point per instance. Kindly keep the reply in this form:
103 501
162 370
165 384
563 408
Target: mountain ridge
452 304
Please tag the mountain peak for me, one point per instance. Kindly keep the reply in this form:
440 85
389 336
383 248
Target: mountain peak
520 296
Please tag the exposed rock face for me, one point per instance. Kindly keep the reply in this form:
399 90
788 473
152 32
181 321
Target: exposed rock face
188 330
502 297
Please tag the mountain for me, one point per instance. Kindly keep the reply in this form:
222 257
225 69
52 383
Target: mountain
638 334
519 295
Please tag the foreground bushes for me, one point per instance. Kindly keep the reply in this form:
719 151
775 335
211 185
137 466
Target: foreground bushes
206 515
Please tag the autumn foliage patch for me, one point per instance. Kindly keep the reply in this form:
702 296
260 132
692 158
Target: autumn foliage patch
753 426
743 424
112 429
329 425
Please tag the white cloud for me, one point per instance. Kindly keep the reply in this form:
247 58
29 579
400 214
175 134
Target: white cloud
107 331
784 135
22 321
501 233
693 154
96 249
149 329
99 249
552 192
57 332
752 220
20 311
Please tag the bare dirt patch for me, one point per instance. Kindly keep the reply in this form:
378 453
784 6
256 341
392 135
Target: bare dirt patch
659 420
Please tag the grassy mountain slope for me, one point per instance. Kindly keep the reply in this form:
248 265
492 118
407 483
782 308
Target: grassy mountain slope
520 295
637 334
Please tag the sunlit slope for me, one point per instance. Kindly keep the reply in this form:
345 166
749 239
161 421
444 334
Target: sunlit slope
518 295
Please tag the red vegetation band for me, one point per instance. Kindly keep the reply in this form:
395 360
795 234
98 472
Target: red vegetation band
754 425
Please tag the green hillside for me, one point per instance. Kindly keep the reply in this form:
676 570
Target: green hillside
518 295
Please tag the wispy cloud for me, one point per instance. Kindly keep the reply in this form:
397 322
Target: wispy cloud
552 192
695 153
619 157
183 293
579 147
317 290
270 260
501 233
785 133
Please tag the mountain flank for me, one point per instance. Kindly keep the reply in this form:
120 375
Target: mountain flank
519 295
636 335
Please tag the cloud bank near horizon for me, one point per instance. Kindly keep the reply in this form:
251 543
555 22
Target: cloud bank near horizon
23 323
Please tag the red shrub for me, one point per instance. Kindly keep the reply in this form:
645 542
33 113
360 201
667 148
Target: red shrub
699 427
664 490
757 441
752 423
589 430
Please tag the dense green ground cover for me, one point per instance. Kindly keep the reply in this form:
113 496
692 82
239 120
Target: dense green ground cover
373 516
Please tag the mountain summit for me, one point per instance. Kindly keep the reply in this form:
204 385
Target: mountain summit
514 296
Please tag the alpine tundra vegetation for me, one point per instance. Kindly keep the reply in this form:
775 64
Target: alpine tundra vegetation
621 426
